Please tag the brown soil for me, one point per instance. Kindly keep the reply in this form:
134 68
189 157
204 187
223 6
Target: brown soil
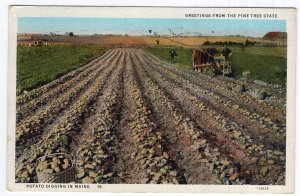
128 117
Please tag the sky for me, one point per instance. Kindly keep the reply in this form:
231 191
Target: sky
140 26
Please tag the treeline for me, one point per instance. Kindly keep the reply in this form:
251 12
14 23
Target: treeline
222 43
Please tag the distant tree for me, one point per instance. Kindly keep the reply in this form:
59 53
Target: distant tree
71 34
206 43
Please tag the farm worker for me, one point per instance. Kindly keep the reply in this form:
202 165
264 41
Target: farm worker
226 52
172 54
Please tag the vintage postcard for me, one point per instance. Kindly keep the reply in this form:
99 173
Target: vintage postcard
151 99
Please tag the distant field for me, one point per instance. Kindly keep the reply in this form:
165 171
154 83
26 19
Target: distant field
264 63
112 40
39 65
163 41
193 41
197 41
190 41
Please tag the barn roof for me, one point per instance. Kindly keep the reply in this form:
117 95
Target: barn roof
275 35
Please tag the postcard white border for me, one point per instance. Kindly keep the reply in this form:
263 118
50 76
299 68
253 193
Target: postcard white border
288 14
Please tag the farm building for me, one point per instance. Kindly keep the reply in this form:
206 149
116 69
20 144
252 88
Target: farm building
275 39
275 36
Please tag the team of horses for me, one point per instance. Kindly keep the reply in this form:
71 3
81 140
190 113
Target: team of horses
203 58
208 57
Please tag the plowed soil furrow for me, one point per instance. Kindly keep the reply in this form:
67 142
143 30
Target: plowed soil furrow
207 122
268 105
218 87
60 138
154 163
49 127
178 145
129 118
37 104
279 96
239 109
127 169
97 142
62 110
34 125
224 114
251 128
221 87
26 97
192 139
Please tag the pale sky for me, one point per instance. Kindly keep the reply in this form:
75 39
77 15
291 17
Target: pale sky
133 26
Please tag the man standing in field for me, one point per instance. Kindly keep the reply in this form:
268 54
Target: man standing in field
172 54
226 52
